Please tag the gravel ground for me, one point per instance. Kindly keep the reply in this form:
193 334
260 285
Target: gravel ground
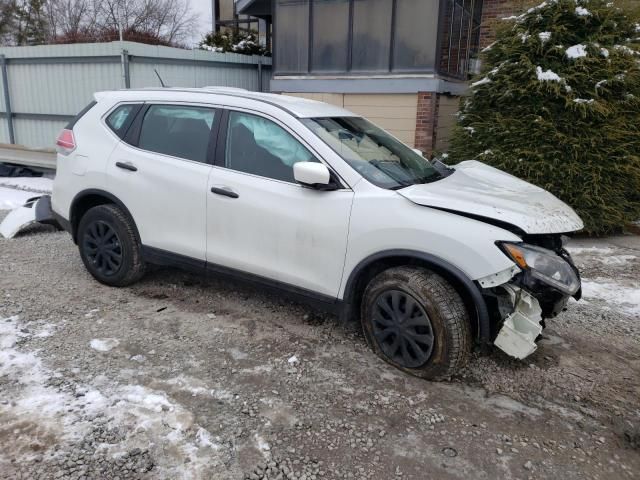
182 376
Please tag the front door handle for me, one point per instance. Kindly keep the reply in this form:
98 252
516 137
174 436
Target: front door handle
226 191
126 166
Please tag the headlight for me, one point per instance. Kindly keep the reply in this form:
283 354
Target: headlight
545 265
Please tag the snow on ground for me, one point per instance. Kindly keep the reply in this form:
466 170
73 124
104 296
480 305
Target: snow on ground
619 297
104 345
31 184
148 417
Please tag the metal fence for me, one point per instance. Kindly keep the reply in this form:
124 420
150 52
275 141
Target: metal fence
45 86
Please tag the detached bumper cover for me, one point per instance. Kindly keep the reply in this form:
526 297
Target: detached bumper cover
36 210
521 328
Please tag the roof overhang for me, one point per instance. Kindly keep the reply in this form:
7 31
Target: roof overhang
255 8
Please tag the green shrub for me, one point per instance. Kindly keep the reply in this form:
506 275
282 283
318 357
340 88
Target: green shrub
558 104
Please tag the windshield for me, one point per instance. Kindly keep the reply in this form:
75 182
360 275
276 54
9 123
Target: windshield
376 155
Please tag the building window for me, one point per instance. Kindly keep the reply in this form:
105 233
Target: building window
371 35
376 36
416 29
330 35
292 36
460 35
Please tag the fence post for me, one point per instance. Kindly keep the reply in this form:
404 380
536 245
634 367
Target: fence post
125 69
7 99
260 74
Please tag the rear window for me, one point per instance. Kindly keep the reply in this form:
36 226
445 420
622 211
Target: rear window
120 119
75 119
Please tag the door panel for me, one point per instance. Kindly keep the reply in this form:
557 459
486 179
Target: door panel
166 193
278 230
260 221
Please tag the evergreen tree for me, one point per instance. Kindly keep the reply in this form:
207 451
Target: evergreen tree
558 104
32 24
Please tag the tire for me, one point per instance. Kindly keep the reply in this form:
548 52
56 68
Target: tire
435 340
109 246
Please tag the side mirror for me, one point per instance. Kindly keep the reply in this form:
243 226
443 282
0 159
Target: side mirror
312 174
418 151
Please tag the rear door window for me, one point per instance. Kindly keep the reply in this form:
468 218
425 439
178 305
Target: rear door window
177 130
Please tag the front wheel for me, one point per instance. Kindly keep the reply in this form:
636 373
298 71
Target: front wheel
416 321
109 247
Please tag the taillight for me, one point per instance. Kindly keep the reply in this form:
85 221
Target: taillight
66 142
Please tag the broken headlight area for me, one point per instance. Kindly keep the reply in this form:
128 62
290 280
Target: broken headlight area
543 268
541 289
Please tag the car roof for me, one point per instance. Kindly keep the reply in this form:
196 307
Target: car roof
297 106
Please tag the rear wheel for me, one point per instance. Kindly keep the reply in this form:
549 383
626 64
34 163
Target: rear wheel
416 321
109 247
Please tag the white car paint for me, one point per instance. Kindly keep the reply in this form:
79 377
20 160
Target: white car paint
479 189
286 232
17 219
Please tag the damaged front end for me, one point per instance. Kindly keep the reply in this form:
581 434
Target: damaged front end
539 287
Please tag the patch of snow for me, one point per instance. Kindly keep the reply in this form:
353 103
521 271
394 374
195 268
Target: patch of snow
203 438
576 51
188 384
293 359
625 49
583 250
481 82
583 101
604 52
104 345
601 83
616 260
11 198
544 36
237 354
547 76
524 36
618 296
582 12
138 358
471 130
31 184
488 47
262 445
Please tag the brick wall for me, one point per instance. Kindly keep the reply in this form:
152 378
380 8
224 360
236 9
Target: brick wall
493 10
426 122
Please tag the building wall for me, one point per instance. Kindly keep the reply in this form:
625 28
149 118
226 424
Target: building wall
396 113
447 109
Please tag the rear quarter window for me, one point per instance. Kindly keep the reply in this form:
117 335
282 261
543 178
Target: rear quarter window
121 118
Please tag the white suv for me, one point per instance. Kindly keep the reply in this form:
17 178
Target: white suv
321 203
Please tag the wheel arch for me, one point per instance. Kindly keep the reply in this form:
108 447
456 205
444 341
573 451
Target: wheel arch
90 198
374 264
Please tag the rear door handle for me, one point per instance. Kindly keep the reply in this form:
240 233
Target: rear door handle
126 166
226 191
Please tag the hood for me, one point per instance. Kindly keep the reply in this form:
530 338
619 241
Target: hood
483 191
